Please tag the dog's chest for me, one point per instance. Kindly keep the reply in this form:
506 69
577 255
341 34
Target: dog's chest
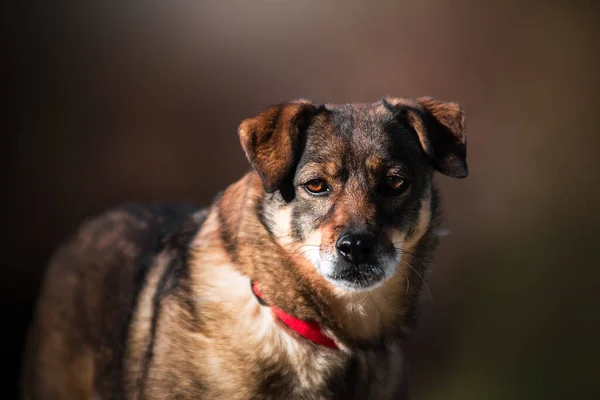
282 365
287 367
256 357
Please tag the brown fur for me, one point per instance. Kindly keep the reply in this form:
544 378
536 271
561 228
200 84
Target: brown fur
152 303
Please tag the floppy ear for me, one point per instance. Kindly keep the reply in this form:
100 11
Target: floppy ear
440 127
272 138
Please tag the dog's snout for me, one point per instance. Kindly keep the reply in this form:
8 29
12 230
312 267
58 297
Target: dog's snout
357 248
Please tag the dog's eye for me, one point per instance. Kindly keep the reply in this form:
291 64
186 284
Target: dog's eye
396 184
316 186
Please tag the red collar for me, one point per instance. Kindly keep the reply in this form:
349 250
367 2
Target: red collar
307 329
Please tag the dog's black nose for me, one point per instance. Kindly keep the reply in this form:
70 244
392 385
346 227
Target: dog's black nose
357 248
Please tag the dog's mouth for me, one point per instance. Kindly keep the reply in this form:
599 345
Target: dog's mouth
358 277
349 276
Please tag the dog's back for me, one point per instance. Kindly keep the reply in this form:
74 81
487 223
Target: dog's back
77 341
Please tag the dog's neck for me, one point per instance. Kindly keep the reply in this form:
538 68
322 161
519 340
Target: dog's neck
291 283
309 330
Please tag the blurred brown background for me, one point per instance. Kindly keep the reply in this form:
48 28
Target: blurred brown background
111 102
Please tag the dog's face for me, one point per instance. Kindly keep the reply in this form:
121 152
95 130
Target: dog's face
349 186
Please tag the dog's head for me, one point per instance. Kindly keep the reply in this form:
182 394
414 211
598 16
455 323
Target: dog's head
348 187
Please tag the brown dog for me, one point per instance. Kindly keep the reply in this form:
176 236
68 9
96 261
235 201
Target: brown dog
301 281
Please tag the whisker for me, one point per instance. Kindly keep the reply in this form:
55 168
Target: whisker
378 309
422 279
403 250
366 299
301 247
302 252
407 282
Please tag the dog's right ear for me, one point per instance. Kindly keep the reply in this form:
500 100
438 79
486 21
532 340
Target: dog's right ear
271 139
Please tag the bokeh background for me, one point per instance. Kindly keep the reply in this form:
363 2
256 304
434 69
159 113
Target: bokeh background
139 101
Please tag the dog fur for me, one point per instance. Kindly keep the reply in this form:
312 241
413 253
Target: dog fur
153 302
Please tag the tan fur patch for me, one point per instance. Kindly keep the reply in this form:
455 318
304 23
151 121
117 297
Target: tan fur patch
139 336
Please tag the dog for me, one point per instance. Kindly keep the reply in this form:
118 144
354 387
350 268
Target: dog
300 281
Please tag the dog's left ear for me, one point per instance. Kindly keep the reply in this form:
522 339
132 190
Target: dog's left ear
440 127
271 139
